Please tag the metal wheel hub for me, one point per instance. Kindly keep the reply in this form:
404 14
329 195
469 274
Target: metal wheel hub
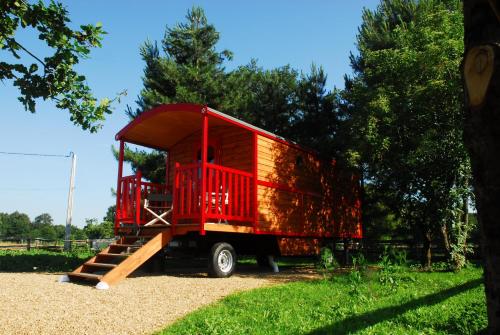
225 261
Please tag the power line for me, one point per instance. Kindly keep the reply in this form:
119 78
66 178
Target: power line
33 154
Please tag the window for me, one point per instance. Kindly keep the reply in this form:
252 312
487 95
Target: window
210 155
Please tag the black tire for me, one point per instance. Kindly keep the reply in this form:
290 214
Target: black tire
222 260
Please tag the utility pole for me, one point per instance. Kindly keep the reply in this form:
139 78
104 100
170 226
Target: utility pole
69 212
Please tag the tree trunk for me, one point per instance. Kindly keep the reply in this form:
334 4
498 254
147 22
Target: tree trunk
427 254
446 241
481 71
466 222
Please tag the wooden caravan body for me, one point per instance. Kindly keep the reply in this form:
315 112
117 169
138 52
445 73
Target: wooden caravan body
229 187
256 182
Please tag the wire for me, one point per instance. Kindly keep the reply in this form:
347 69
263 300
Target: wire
33 154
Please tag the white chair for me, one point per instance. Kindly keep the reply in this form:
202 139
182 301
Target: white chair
159 212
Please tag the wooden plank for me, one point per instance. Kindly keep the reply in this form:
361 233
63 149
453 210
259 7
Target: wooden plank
137 258
228 228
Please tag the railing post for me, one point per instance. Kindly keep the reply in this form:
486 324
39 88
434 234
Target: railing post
175 199
118 208
204 143
138 177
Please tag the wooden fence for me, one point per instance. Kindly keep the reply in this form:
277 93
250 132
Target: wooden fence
51 245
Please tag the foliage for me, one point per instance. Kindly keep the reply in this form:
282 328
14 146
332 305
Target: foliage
434 303
95 230
281 100
41 261
53 76
404 111
16 225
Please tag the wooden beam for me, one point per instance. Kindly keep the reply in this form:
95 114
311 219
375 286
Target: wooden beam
131 263
219 227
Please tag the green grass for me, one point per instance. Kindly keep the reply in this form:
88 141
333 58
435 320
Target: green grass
41 260
384 302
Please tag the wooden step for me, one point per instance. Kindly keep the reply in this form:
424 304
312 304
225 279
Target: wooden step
110 254
84 275
101 265
126 245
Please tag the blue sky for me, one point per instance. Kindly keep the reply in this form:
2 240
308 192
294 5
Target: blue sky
275 33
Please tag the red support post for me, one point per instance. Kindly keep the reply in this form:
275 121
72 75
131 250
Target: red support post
255 178
118 208
138 197
204 144
167 170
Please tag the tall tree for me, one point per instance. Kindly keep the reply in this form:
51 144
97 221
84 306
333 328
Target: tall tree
404 107
51 76
42 227
191 70
17 225
481 70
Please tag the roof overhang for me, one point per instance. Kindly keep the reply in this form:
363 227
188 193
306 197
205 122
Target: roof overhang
163 126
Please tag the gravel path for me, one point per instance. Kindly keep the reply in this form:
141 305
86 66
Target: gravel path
35 303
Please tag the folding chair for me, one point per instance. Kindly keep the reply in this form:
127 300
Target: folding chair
159 212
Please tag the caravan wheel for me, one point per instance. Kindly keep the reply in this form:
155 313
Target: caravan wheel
222 260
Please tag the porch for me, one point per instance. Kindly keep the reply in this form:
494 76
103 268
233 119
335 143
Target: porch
228 204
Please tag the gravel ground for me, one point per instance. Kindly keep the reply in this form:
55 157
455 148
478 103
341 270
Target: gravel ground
35 303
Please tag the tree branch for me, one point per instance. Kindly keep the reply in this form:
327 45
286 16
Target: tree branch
28 52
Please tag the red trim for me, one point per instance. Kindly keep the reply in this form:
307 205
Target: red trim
138 198
118 185
228 169
262 133
195 108
167 170
204 141
286 188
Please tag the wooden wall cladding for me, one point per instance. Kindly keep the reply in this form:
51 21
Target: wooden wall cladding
292 246
234 148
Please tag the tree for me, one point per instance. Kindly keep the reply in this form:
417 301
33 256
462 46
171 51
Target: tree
404 114
53 76
481 71
280 100
190 71
42 227
3 223
17 225
95 230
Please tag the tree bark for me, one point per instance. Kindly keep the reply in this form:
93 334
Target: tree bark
446 240
427 254
482 138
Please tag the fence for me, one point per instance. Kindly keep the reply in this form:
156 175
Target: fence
8 243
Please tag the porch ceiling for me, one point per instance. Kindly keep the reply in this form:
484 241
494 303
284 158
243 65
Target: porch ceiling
165 125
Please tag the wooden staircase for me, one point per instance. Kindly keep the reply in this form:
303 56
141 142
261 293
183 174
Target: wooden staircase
120 259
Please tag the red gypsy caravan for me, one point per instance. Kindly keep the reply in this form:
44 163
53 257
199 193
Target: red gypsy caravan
230 188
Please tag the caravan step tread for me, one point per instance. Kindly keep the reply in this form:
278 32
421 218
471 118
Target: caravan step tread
109 254
126 245
85 275
101 265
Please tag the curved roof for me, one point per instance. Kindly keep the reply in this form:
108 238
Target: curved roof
163 126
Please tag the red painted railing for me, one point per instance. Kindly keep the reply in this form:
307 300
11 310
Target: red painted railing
228 197
228 193
133 191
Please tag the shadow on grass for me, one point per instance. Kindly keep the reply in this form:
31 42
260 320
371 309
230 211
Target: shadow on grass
357 323
40 262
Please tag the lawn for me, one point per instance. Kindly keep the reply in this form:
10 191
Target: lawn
393 300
